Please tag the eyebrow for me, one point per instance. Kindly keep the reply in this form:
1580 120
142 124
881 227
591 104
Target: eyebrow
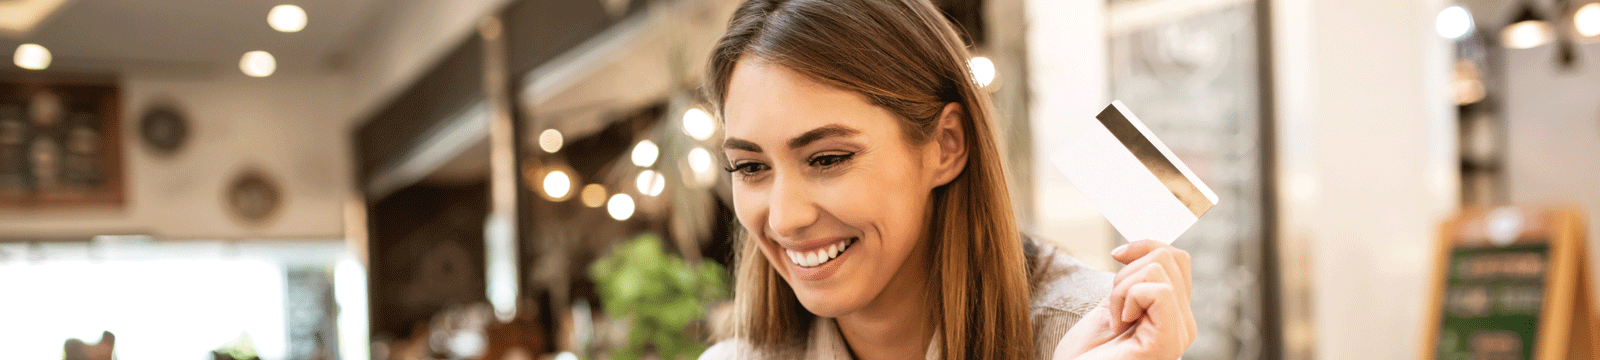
828 131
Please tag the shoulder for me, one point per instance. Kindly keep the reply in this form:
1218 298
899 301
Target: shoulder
1059 282
724 350
1062 290
739 349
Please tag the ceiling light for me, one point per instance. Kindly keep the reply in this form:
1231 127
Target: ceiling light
1527 31
550 141
645 153
1587 20
258 64
32 57
593 195
1454 23
982 70
620 206
287 18
698 124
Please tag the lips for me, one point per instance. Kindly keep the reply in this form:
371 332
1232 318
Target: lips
820 255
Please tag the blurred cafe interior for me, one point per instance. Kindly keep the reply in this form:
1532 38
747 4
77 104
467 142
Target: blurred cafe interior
542 179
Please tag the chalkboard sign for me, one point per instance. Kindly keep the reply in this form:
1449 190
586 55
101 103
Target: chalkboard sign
1512 284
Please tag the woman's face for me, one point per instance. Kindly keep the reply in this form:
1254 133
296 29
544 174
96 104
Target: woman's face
828 182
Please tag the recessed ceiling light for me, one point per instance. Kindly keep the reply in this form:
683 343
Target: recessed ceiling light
258 64
32 57
287 18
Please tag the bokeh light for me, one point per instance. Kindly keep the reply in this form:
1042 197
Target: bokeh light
32 57
287 18
698 124
557 185
550 141
651 183
645 153
1453 23
620 206
593 195
982 70
258 64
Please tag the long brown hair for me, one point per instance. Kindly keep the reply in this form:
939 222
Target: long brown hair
907 58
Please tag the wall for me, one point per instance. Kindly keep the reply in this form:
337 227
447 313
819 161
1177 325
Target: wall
1553 133
1068 84
294 125
1367 169
288 125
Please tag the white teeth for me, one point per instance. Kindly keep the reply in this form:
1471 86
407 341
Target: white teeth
819 256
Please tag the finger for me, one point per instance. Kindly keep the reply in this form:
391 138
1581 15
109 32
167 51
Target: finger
1163 332
1174 260
1131 309
1178 265
1117 301
1186 262
1131 251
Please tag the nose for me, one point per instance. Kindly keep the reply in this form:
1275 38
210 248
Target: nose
791 209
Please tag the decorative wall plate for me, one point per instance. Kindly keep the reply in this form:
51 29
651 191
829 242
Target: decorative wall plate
252 197
163 129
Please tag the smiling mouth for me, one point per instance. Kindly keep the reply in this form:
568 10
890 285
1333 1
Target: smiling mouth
820 256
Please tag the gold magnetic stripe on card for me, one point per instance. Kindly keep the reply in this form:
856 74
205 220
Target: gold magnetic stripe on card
1158 164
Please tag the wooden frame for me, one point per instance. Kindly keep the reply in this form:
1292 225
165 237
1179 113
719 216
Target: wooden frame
60 142
1567 322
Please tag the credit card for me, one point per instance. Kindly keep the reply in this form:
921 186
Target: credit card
1132 178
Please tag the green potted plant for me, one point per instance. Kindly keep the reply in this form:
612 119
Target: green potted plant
660 294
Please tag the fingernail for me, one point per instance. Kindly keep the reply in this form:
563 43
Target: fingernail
1119 250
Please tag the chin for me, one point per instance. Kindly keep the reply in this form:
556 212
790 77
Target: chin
827 303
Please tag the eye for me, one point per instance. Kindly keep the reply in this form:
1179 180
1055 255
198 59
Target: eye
747 169
830 159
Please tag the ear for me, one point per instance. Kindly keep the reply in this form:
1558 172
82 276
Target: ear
951 137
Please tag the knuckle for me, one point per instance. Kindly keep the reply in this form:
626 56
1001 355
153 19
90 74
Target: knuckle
1155 268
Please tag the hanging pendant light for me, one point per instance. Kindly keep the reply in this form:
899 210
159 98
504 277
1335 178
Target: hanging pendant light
1567 55
1528 30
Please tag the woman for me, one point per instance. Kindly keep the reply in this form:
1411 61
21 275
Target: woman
878 225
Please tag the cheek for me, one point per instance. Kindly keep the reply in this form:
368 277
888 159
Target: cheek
886 199
750 206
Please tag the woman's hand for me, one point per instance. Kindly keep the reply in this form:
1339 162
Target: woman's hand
1146 316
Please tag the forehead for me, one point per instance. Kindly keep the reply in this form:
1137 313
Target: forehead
768 104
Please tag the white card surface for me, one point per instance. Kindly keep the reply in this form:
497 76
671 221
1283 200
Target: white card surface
1133 179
